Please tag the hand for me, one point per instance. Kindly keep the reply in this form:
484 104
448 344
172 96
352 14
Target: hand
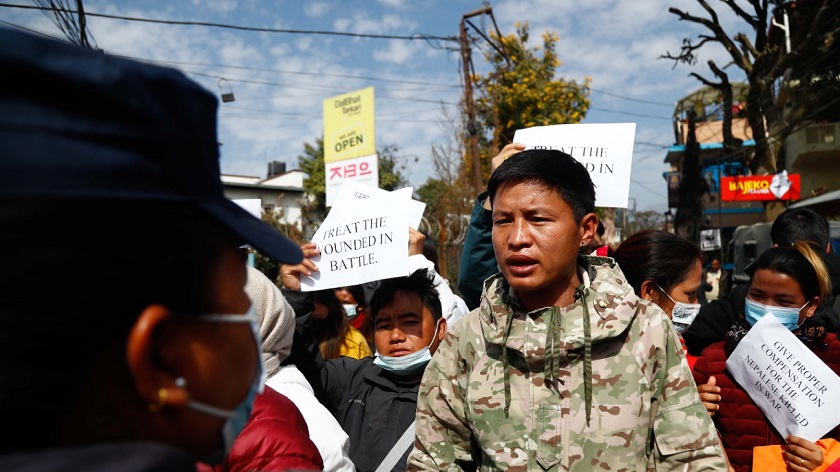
507 151
709 395
290 274
801 455
415 242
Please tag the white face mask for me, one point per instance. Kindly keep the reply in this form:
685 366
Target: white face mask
683 314
350 309
238 417
410 363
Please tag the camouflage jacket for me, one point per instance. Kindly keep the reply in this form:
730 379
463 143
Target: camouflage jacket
598 385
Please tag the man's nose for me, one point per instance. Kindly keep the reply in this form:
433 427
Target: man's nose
397 335
520 233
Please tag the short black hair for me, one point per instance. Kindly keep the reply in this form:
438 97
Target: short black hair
659 256
800 224
420 283
553 168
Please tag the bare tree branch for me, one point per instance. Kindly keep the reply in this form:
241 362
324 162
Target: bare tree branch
704 80
717 30
750 19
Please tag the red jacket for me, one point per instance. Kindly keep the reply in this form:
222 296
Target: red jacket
276 438
742 426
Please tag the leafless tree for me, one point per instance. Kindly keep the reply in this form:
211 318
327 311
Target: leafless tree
765 62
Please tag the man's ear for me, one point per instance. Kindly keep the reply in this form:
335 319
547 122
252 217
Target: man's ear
588 227
441 333
648 290
441 329
154 385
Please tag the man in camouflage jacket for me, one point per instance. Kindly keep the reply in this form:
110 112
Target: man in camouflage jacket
595 380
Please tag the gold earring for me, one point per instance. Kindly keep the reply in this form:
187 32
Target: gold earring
163 399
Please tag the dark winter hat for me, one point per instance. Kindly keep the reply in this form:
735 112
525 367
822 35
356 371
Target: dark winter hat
76 123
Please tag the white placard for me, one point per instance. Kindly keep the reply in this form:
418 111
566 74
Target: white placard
352 190
797 392
605 149
361 240
361 169
710 239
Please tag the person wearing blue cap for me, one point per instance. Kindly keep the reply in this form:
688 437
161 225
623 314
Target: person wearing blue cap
127 341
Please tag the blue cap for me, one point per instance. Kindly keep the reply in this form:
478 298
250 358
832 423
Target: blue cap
77 123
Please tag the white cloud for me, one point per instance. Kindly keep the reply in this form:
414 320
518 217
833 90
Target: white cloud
316 9
397 52
362 23
222 6
394 3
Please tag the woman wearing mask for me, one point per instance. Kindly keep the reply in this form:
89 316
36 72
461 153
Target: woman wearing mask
353 300
665 269
335 336
788 283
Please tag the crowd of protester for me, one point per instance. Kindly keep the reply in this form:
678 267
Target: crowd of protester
134 337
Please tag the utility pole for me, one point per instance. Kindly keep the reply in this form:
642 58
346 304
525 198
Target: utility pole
83 40
469 104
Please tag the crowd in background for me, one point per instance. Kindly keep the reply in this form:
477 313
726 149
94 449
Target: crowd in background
134 337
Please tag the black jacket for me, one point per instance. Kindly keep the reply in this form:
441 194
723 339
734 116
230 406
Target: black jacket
373 406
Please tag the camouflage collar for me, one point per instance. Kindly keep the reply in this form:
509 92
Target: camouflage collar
609 296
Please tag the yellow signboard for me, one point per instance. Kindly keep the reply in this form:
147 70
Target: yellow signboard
348 126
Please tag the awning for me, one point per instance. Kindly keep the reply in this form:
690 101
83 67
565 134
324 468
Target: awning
827 204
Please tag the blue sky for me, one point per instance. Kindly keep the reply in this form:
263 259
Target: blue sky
280 80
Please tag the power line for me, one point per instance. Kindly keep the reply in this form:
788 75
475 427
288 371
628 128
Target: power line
630 113
645 143
317 74
669 105
413 37
32 31
321 87
647 188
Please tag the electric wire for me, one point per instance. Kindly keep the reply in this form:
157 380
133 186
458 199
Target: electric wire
413 37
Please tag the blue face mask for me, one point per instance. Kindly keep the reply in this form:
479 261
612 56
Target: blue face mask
789 317
410 363
238 417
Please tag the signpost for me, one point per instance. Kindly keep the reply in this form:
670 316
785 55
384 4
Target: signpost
349 140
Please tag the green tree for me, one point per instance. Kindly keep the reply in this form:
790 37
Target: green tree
314 207
522 91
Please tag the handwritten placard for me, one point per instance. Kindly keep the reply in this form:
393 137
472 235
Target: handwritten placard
606 150
795 390
361 240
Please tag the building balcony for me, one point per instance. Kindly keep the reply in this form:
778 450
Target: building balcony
813 144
